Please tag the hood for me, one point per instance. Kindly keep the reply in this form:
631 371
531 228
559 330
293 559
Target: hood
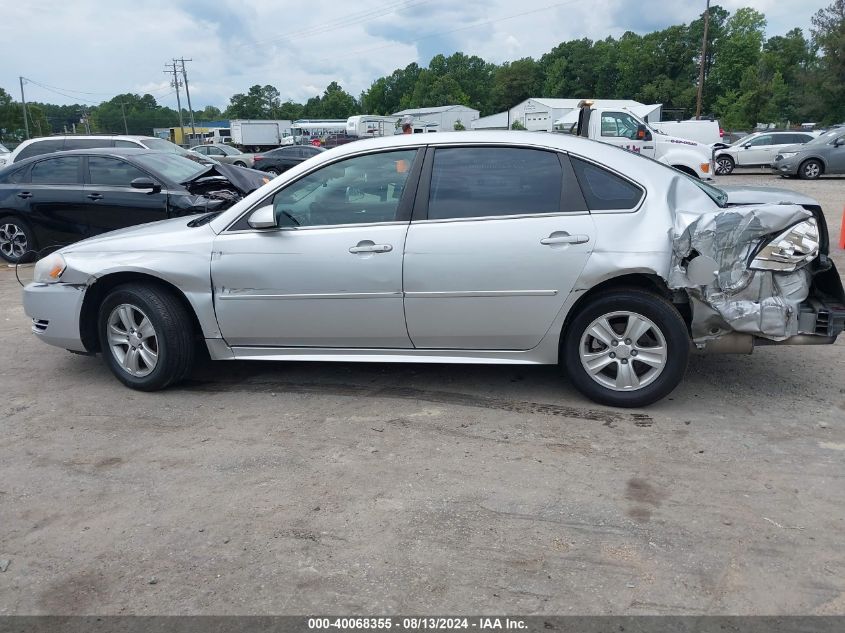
749 194
163 235
244 180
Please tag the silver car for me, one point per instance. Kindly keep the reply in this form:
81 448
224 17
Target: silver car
473 247
756 150
822 155
225 154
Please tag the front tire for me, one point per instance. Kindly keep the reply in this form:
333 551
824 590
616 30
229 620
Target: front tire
240 164
626 348
146 336
810 170
724 165
273 170
17 244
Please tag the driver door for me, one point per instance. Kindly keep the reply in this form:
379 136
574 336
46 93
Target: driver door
330 273
620 128
760 151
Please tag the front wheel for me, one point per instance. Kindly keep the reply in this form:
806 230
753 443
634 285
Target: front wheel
626 348
146 336
810 170
724 165
275 171
240 163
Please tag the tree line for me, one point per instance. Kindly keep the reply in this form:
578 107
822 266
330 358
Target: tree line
749 79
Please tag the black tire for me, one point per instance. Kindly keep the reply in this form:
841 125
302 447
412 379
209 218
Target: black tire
275 171
173 330
17 244
724 165
662 314
810 169
240 164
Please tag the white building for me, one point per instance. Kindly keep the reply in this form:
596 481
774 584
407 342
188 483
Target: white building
444 116
541 113
498 121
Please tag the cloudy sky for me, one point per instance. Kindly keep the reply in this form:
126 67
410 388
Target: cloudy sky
89 50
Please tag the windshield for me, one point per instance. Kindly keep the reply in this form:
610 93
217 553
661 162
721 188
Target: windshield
827 137
3 148
164 146
717 195
174 168
229 151
744 139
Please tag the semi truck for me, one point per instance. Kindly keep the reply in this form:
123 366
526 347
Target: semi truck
621 127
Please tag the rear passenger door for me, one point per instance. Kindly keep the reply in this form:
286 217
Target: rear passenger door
112 203
498 239
56 200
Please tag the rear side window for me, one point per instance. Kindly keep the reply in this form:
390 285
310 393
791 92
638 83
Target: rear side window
802 138
87 143
111 171
604 190
41 147
13 177
471 182
56 171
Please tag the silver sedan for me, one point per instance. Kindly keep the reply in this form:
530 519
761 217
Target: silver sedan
225 154
473 247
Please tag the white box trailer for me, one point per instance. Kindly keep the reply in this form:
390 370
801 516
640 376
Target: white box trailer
258 135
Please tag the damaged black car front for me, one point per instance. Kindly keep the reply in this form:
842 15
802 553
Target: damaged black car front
216 188
758 273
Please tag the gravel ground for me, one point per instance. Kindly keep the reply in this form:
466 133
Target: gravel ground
343 488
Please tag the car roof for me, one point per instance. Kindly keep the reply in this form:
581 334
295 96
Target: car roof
55 137
116 152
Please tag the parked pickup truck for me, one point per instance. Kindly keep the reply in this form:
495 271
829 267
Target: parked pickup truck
618 126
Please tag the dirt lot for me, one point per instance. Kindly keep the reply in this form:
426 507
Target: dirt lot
342 488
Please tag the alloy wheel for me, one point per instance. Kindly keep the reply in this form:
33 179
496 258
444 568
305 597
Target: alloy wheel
812 170
13 242
132 340
724 166
623 351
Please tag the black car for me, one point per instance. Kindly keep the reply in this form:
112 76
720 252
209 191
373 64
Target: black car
278 160
63 197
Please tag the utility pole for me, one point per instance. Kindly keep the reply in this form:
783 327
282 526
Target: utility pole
701 66
188 94
171 68
123 111
23 101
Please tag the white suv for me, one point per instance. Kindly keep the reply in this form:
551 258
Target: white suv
49 144
757 150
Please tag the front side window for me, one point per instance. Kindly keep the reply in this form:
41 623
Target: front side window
56 171
471 182
619 125
112 172
357 190
603 189
766 139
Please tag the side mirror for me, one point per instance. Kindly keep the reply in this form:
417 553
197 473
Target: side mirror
643 133
145 183
839 142
746 146
263 218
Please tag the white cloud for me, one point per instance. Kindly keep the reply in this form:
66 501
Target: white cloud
100 49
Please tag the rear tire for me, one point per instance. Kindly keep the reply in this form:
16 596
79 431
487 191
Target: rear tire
17 244
240 164
635 344
810 169
146 336
273 170
724 165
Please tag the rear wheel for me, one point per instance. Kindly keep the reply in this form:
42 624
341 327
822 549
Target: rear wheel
273 170
810 169
724 165
146 336
626 348
16 242
239 163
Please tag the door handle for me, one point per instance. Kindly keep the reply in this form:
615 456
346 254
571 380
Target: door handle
95 196
24 195
369 247
564 238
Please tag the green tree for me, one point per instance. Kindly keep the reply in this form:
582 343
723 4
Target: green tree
209 113
828 32
739 49
514 82
260 102
336 103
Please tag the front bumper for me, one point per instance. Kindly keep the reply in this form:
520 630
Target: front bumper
787 167
54 310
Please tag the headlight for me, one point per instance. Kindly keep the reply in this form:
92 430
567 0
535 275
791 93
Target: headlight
49 269
795 247
783 155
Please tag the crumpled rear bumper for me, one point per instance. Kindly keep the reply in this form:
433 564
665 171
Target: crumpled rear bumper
806 306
